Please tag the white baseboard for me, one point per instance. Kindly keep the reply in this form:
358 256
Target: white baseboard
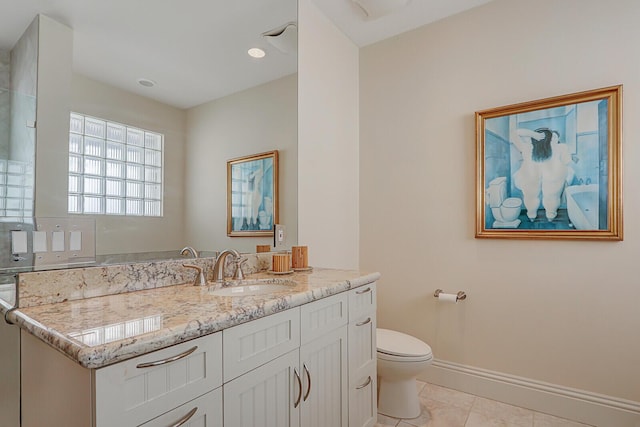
578 405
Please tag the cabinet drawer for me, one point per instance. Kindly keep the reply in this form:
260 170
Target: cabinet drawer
205 411
362 346
362 300
322 316
255 343
362 401
134 391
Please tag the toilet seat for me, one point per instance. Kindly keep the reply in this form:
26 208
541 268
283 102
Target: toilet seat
398 347
403 359
512 202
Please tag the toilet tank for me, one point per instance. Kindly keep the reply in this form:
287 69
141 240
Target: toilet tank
497 191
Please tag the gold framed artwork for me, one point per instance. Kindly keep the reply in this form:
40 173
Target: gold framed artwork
551 168
252 195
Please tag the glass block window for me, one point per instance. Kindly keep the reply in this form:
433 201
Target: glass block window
16 190
114 169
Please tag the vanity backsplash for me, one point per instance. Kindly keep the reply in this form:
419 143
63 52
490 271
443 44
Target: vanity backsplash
53 286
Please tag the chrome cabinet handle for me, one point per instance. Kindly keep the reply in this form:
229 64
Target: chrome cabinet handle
295 372
366 383
306 395
364 291
364 322
186 418
167 360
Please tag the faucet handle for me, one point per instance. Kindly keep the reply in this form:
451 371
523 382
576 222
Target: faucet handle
239 274
200 279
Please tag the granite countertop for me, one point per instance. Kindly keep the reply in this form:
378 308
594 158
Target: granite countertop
100 331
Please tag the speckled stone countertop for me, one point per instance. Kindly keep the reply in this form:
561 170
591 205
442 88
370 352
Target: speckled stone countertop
100 331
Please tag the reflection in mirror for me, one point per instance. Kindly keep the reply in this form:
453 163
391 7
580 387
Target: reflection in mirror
18 70
207 112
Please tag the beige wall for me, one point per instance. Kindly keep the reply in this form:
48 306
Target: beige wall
116 234
328 141
260 119
562 312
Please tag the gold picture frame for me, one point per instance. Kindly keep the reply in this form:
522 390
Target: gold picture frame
551 168
252 195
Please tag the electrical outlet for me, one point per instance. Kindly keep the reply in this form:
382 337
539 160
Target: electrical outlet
279 236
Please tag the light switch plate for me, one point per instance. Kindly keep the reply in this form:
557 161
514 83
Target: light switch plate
19 242
57 241
39 241
279 236
75 241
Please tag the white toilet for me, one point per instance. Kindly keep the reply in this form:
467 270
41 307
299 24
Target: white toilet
505 209
401 358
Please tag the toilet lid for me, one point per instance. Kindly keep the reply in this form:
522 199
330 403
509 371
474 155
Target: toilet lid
399 344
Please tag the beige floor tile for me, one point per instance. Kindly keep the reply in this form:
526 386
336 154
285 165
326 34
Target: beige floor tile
544 420
443 407
485 412
477 419
448 396
384 421
438 414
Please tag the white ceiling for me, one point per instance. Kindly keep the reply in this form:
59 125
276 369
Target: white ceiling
351 20
196 49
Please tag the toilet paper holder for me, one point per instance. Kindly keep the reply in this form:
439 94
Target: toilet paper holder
459 296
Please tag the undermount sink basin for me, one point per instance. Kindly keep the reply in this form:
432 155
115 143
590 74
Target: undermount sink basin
252 287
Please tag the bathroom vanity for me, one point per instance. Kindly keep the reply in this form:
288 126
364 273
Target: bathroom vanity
184 356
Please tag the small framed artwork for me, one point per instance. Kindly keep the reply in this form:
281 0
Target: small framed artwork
551 169
252 195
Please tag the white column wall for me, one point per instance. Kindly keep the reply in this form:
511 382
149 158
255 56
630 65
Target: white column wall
328 163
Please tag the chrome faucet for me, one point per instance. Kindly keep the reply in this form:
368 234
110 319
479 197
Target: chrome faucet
189 250
218 268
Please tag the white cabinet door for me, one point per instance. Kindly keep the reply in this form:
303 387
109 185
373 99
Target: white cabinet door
325 381
268 396
205 411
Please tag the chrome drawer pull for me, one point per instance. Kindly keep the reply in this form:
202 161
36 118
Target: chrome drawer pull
306 395
366 383
364 322
168 360
364 291
186 418
295 372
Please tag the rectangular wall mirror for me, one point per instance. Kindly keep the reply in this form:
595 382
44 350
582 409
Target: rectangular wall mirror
188 80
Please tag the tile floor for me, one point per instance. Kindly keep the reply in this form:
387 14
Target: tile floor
443 407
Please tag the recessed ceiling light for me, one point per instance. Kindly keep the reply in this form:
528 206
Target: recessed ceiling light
146 82
255 52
